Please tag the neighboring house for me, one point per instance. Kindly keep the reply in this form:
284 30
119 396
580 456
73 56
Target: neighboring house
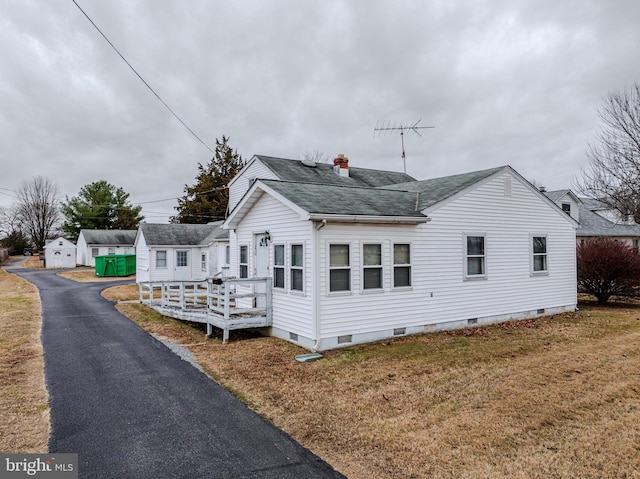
181 252
596 219
60 253
92 243
358 255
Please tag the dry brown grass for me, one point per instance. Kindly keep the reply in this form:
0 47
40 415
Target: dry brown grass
553 397
86 275
24 412
32 262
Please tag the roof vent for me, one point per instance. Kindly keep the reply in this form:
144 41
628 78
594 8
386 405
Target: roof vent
309 162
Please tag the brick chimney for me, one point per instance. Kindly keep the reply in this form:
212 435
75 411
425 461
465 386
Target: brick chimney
341 165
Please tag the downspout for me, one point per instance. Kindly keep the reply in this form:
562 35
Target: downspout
315 237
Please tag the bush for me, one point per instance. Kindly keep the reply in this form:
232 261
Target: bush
607 267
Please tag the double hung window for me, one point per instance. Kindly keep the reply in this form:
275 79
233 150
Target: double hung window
475 261
278 266
339 268
539 260
244 261
401 265
297 267
372 266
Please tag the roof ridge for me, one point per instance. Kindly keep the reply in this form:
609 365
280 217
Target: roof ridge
325 185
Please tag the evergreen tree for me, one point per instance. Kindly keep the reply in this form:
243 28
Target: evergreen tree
99 205
207 200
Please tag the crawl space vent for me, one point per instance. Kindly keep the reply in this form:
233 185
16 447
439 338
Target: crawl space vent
344 339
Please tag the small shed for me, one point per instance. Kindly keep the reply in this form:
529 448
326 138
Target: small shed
60 253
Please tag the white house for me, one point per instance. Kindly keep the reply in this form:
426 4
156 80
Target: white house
358 255
596 219
60 253
181 252
92 243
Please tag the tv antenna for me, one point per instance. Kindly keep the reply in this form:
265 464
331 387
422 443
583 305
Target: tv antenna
391 127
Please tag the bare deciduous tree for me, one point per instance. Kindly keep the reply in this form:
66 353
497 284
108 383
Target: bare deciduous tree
613 174
316 156
38 208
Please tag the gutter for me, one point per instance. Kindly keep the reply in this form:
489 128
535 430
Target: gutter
368 219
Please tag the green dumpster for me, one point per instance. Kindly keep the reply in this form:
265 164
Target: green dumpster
115 265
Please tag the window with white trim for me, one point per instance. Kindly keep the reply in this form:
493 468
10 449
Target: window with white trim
297 267
95 252
161 259
401 265
278 266
203 261
475 256
227 254
539 249
372 266
339 268
111 251
244 261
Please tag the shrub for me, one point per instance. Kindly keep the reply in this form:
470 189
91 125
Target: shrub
607 267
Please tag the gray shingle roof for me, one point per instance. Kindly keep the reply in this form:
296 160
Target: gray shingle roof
592 224
342 200
109 237
439 189
182 234
322 173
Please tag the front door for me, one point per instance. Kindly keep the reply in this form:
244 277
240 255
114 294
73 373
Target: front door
182 269
262 265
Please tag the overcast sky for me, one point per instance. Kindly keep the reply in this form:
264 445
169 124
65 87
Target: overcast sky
503 82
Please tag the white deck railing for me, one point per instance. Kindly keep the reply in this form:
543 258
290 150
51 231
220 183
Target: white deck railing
226 303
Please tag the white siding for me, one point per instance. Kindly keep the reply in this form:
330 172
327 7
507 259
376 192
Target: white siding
292 309
83 254
241 184
567 199
361 311
142 260
439 292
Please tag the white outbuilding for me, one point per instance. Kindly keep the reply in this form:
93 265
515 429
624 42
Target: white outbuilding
60 253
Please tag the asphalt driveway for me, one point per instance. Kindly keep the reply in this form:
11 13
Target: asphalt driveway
131 408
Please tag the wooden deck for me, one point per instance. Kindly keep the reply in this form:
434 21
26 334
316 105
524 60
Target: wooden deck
224 303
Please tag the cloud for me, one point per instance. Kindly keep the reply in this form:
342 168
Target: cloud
502 82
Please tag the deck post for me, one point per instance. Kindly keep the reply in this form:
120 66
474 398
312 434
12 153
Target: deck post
209 330
227 307
269 306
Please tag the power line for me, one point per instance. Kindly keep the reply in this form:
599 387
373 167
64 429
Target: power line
142 79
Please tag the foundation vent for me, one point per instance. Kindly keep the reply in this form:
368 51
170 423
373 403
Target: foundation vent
472 321
399 331
344 339
541 311
293 336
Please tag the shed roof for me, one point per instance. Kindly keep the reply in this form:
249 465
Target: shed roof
109 237
182 234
